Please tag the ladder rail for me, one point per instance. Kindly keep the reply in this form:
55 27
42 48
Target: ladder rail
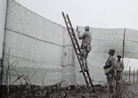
90 80
89 76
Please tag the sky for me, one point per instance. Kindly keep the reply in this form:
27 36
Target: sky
95 13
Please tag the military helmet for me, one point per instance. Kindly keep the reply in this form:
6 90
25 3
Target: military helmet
119 56
111 51
87 28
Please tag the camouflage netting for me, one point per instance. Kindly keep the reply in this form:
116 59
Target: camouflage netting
41 50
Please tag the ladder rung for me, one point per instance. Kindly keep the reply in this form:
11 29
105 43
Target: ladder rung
78 50
74 38
70 28
73 34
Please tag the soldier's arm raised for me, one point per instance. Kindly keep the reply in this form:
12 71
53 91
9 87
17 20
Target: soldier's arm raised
81 36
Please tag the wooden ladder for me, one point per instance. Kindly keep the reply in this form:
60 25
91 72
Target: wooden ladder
78 51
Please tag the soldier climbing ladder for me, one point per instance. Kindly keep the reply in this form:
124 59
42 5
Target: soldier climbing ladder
77 51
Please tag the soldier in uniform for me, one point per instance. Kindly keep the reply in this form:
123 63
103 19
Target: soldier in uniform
119 68
109 71
85 46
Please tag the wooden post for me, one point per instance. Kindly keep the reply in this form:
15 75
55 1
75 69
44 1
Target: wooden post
134 77
129 74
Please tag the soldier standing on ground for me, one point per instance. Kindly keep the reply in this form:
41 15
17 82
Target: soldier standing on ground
119 68
109 71
85 46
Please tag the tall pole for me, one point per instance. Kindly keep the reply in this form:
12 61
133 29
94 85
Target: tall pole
3 10
123 46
